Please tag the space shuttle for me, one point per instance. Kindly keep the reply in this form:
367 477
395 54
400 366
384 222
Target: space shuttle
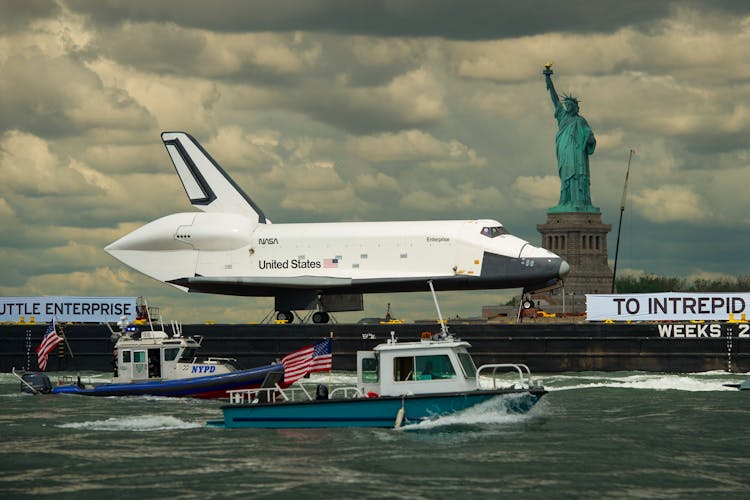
230 247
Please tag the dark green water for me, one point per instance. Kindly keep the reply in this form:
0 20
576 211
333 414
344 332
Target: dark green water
595 435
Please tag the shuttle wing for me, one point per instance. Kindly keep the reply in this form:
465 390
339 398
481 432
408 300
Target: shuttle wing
208 187
257 286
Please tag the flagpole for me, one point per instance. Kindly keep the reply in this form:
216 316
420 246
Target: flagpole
330 370
619 225
50 340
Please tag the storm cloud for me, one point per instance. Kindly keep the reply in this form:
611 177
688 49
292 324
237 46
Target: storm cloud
332 110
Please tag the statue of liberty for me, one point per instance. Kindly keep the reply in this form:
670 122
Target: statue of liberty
575 142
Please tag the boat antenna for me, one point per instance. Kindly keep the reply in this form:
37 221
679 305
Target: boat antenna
148 314
443 327
176 329
619 225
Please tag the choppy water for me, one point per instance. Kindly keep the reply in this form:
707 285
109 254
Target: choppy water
596 435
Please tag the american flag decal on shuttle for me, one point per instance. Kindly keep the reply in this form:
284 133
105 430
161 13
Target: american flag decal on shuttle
329 263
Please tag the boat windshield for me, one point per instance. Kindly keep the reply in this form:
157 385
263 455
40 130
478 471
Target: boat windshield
403 368
369 370
188 354
470 370
433 367
171 353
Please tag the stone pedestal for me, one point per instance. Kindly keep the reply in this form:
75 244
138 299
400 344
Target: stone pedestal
581 239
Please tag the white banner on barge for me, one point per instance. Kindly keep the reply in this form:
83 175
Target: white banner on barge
670 306
67 309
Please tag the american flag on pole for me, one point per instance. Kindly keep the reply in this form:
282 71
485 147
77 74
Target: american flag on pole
49 342
313 358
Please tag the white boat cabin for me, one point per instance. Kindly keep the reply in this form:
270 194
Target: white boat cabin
426 367
154 355
434 365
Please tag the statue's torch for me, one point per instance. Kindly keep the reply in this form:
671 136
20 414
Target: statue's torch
547 72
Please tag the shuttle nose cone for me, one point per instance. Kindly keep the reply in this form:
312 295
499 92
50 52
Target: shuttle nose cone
564 269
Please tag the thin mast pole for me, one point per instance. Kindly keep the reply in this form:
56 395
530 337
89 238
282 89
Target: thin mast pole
443 328
619 225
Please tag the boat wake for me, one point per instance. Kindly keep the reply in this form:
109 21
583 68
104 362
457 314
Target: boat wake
500 410
695 382
142 423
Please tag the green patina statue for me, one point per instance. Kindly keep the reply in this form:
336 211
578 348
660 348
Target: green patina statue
575 142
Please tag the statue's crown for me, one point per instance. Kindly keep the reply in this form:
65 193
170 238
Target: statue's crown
570 98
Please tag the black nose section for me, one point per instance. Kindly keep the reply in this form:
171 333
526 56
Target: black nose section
522 272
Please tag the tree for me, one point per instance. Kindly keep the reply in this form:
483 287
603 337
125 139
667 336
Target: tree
652 283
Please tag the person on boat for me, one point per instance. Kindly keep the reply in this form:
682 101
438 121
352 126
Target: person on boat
321 392
427 372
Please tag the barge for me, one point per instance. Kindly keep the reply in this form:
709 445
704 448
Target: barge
544 345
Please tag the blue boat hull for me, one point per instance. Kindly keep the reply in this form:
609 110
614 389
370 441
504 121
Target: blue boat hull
208 387
365 412
744 386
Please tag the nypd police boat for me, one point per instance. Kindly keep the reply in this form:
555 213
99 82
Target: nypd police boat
155 363
398 384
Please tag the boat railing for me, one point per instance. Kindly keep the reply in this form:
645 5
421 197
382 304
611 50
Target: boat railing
349 392
524 374
268 395
296 393
301 388
265 394
215 360
79 381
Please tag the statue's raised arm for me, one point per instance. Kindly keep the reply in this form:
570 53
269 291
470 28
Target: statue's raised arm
548 78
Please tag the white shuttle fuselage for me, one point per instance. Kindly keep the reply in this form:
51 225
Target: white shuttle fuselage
231 248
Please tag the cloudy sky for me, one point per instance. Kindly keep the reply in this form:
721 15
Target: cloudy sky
337 110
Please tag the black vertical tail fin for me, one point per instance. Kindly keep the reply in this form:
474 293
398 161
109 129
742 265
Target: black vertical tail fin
207 185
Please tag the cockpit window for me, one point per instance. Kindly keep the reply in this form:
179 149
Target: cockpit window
492 232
